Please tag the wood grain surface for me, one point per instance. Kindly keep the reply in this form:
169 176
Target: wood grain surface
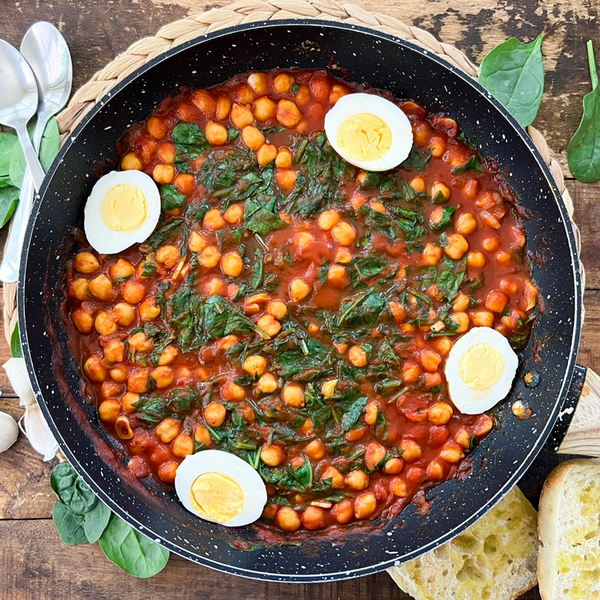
34 563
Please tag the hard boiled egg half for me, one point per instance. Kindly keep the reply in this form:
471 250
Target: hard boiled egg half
369 132
220 487
123 209
480 370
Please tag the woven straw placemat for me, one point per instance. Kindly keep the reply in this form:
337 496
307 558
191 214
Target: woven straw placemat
247 11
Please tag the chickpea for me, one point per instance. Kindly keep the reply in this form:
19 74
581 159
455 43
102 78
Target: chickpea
328 219
288 114
302 96
283 83
432 380
82 320
496 301
269 325
254 139
443 345
356 434
508 286
110 389
271 455
299 289
197 242
293 395
451 452
157 127
210 257
374 455
223 107
411 451
124 313
215 285
457 246
131 162
121 269
287 518
315 449
133 291
394 466
313 518
163 174
258 82
167 471
114 351
440 413
167 356
123 428
435 471
284 159
202 436
264 109
303 239
482 318
431 254
241 116
119 373
78 288
286 179
86 262
337 91
462 320
94 368
337 479
491 243
437 146
163 376
504 258
168 256
365 505
430 360
234 214
466 223
183 445
215 414
204 102
267 383
399 488
277 309
244 93
439 191
336 275
476 260
149 309
109 410
232 264
344 233
167 152
343 511
168 429
410 372
357 356
139 342
227 342
105 323
129 400
328 388
214 220
255 365
233 391
471 189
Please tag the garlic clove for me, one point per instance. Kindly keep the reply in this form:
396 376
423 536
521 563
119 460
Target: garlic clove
9 431
19 379
35 427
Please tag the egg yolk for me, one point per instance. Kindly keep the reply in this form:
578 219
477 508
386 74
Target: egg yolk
217 497
124 208
481 366
364 137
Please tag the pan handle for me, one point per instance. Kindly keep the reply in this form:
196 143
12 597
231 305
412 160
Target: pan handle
583 403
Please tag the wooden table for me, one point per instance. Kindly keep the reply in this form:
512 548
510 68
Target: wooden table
34 563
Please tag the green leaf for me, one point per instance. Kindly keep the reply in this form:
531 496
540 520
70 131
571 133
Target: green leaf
72 490
15 343
417 159
352 415
514 73
132 551
150 410
69 525
473 163
50 144
96 521
7 142
262 219
171 198
9 199
445 221
584 148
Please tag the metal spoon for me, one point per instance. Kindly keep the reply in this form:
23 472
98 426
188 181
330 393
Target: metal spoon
18 102
47 53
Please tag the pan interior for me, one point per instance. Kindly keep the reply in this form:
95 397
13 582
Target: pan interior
383 62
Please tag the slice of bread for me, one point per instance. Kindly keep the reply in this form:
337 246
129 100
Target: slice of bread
495 559
569 529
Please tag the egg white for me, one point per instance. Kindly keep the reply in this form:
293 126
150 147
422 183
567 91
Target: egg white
388 112
100 236
466 399
217 461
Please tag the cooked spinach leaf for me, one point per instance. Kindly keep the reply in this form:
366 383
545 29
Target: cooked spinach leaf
472 163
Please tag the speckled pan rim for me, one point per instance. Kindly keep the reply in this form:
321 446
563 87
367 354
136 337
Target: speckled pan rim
561 394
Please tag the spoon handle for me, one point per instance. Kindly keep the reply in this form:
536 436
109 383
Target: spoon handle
31 157
9 269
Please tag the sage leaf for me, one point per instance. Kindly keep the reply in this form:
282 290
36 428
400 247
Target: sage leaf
95 522
132 551
514 73
69 525
584 148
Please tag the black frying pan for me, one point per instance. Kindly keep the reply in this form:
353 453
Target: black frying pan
382 61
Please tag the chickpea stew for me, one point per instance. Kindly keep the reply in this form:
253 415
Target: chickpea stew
294 310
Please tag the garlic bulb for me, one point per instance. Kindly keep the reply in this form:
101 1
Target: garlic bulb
9 431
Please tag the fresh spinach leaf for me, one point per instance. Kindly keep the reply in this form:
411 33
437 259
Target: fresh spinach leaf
95 522
7 143
514 73
132 551
584 148
71 489
69 525
15 343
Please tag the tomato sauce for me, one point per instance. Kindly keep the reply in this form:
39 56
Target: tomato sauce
294 310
